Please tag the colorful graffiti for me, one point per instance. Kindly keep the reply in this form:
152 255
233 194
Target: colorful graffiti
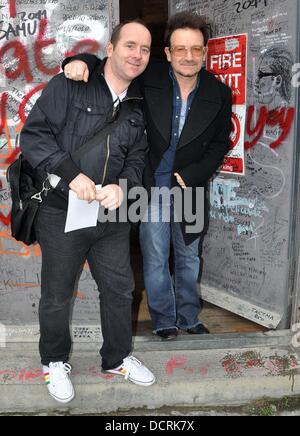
236 365
35 36
31 50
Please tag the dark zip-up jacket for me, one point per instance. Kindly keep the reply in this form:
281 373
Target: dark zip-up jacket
66 116
205 138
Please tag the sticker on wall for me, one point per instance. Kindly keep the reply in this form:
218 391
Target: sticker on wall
227 60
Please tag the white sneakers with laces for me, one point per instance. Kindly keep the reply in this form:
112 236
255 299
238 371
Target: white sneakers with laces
132 369
57 378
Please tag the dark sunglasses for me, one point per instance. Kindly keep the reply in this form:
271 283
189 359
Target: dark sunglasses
261 74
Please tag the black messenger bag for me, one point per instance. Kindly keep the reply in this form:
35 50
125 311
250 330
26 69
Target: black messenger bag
27 188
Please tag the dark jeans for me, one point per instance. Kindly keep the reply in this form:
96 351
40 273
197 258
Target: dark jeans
106 248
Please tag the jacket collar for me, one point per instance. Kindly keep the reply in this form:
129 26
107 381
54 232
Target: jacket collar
134 91
206 104
205 107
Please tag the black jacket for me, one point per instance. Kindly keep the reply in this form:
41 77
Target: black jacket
204 141
66 116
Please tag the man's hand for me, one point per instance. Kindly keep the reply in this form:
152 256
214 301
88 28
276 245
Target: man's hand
84 187
77 70
110 197
180 181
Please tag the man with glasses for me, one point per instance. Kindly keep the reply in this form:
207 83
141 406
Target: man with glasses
273 83
188 120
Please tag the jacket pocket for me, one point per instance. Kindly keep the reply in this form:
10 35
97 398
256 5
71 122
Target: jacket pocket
86 119
131 131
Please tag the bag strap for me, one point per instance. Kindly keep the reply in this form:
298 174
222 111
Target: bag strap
108 129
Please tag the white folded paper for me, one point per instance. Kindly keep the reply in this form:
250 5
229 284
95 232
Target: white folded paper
81 214
53 180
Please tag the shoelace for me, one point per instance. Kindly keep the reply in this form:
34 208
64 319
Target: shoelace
129 362
60 371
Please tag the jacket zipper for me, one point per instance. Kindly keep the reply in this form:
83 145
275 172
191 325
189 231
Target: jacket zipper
108 141
107 159
107 154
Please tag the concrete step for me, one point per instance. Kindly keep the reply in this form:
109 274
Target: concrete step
185 377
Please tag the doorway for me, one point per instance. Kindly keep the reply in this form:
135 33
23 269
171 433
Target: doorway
155 15
217 320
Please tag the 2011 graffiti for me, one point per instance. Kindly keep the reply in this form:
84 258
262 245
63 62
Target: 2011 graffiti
20 54
243 6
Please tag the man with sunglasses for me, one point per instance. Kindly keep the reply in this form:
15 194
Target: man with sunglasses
64 118
273 82
188 121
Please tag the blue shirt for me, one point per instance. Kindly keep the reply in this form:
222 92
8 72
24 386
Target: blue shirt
163 174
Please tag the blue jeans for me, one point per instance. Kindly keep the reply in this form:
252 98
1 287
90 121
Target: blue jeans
173 301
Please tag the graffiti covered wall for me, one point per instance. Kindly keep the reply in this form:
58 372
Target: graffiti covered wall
249 239
35 35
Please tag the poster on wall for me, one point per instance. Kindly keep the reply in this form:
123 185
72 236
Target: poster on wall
227 60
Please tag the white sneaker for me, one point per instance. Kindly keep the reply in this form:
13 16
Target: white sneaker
57 378
132 369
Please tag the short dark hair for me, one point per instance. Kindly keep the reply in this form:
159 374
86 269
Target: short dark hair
115 36
185 20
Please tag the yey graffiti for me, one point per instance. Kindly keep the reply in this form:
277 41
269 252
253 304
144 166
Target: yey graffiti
281 119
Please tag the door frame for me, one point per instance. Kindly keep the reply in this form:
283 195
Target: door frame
296 286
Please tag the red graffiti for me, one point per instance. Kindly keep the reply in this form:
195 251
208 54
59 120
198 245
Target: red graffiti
3 119
7 375
283 118
86 45
39 45
175 363
20 66
24 375
20 54
254 363
94 371
36 375
27 98
32 374
12 8
5 219
203 371
13 156
232 367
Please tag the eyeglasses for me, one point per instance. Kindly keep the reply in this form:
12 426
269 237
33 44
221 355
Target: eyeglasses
180 51
261 74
